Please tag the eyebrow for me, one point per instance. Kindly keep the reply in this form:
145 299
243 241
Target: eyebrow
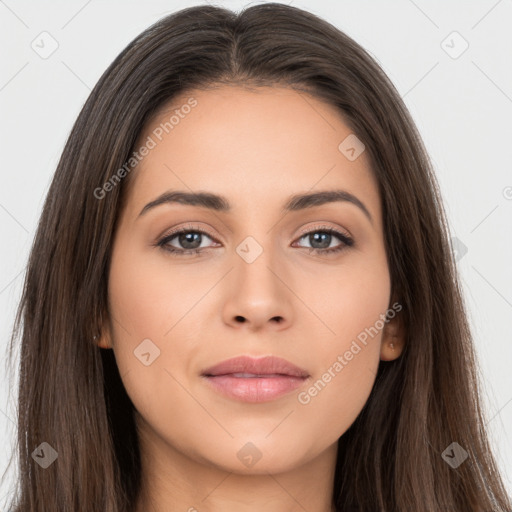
221 204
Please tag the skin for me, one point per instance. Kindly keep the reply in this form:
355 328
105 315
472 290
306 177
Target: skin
256 148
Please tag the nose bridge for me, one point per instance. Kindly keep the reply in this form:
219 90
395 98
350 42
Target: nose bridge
256 225
256 257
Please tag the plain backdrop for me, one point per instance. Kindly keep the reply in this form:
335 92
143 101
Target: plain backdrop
450 61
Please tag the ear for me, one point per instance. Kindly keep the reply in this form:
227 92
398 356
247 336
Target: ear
393 335
104 339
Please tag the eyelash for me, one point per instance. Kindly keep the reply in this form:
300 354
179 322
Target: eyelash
162 243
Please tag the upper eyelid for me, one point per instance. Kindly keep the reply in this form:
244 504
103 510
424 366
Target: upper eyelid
313 229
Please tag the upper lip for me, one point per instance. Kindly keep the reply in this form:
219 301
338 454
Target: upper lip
268 365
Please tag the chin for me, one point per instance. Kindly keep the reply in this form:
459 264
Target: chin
256 455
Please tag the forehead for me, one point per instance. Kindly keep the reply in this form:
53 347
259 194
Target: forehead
249 145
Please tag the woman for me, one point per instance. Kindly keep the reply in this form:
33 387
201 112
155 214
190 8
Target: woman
182 349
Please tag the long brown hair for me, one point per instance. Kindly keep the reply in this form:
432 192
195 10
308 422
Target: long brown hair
70 392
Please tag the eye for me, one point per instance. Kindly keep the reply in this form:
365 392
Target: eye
322 238
188 241
189 238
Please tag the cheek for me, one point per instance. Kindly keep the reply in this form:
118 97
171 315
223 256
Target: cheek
336 396
349 301
348 355
148 312
146 298
146 307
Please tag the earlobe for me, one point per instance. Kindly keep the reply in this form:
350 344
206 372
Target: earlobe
102 341
102 338
393 339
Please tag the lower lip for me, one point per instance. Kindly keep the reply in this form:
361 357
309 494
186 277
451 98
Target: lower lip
254 389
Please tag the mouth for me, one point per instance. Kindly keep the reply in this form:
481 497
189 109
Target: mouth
255 380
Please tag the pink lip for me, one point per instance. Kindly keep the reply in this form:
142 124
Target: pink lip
271 378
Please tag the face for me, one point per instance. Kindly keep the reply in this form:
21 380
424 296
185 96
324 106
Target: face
309 285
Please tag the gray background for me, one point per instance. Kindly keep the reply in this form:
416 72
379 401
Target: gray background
461 102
